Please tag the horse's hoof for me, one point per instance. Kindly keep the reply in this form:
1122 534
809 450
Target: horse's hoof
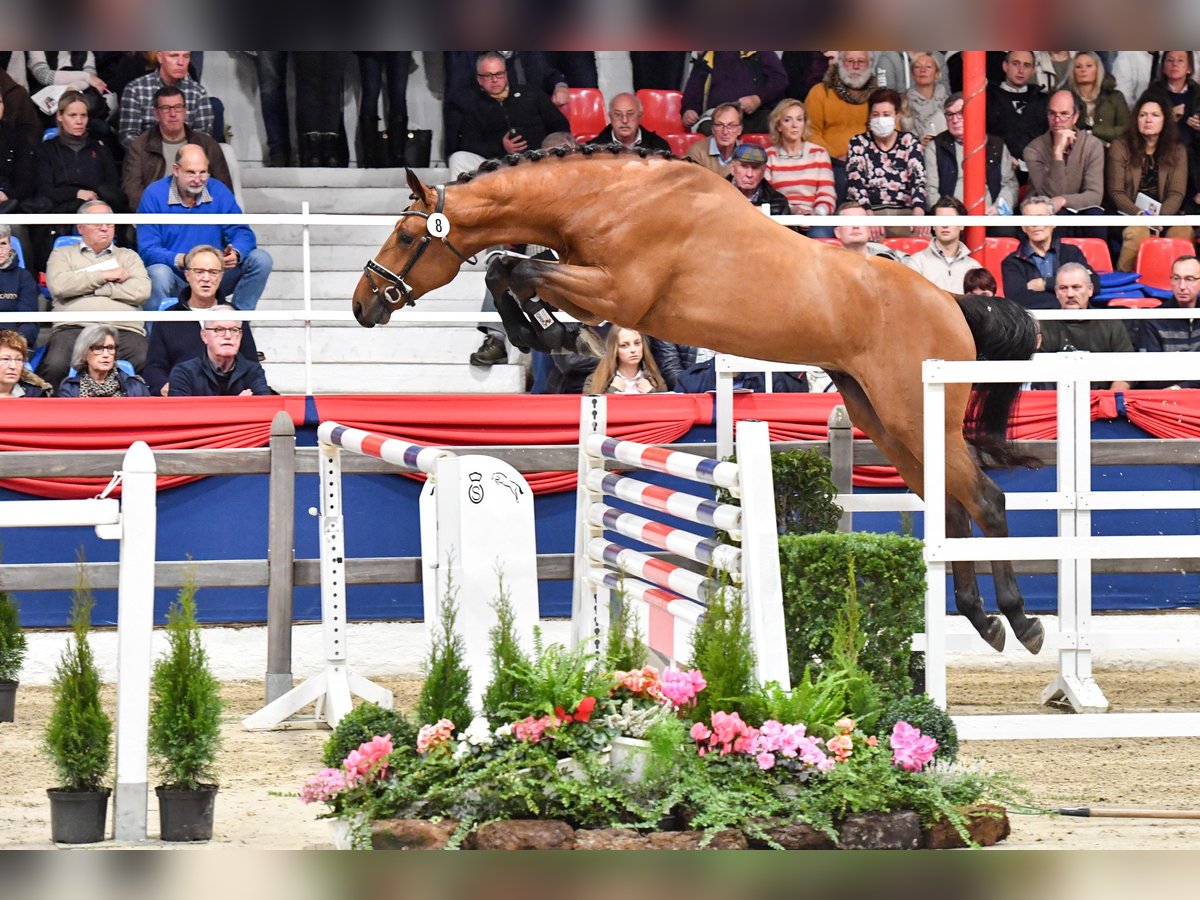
1033 636
994 634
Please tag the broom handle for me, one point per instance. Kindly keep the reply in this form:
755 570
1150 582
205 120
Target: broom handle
1105 813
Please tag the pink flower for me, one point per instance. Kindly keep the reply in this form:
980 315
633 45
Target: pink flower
911 750
681 688
845 726
430 737
700 732
841 746
531 730
323 787
765 761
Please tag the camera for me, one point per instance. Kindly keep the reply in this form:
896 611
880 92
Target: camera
513 134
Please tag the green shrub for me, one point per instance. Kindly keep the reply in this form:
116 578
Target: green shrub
506 655
78 736
889 578
361 724
921 712
185 702
12 638
804 493
446 692
625 650
722 650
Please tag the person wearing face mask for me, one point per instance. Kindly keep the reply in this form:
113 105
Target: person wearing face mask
885 167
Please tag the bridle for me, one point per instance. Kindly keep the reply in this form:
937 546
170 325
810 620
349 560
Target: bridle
398 292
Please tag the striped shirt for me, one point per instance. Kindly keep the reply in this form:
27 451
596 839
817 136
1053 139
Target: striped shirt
137 106
806 180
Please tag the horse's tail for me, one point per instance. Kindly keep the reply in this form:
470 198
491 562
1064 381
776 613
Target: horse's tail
1003 329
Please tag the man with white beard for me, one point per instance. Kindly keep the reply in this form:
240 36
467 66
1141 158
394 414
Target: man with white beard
837 108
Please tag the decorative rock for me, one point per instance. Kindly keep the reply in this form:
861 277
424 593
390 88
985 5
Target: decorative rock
881 831
984 829
792 836
523 834
691 840
411 834
609 839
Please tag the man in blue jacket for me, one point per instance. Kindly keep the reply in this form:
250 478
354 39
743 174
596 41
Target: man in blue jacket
221 371
187 191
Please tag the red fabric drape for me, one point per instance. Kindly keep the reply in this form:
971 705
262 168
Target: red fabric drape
181 423
1164 414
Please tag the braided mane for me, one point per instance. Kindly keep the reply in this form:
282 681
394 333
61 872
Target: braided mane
615 149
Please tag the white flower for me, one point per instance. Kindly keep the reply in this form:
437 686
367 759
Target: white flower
504 730
478 732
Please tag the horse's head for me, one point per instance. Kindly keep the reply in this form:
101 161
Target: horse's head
418 256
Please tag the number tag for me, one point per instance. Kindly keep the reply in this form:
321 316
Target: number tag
438 225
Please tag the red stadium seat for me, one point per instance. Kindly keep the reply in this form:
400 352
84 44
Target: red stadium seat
1155 257
909 245
1136 302
763 140
585 112
662 111
681 142
1095 250
994 251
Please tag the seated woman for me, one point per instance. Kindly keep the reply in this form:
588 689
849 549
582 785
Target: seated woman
979 281
15 379
885 167
796 167
1107 113
96 372
924 103
626 367
1147 163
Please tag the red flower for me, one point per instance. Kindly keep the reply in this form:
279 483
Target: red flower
583 712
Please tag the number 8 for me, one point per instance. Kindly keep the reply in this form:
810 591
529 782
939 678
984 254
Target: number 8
438 225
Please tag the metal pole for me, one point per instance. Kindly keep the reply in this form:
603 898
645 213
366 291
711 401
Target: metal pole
974 142
841 459
281 552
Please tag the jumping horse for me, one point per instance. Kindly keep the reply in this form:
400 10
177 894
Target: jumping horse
658 244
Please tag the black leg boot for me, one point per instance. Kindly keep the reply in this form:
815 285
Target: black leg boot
311 153
374 149
397 142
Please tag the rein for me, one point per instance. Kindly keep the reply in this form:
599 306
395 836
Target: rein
398 292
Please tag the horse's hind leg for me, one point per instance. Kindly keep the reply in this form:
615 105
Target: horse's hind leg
966 585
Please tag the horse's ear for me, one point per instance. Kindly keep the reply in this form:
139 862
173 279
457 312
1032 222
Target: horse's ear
420 191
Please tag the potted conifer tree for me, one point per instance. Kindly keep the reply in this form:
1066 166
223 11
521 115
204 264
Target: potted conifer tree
185 726
12 655
78 736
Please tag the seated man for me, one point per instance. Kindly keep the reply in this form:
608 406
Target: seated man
137 100
1066 163
1176 334
716 153
146 158
221 371
174 342
18 290
946 260
1028 272
944 162
187 191
747 172
675 359
496 119
1016 107
857 238
754 80
1073 289
701 377
94 276
625 126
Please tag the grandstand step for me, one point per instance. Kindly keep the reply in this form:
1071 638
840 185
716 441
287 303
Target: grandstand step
322 257
334 342
357 200
341 304
336 235
290 284
315 178
352 378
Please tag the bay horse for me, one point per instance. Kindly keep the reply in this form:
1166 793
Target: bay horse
659 244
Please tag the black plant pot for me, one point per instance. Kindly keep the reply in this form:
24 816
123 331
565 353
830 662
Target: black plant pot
78 817
8 700
186 815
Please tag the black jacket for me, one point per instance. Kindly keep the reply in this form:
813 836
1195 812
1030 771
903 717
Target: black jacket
197 378
62 173
16 165
174 342
673 359
483 121
1017 270
650 140
1016 118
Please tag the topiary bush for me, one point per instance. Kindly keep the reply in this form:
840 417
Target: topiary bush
12 639
507 656
889 574
361 724
804 492
446 692
723 651
921 712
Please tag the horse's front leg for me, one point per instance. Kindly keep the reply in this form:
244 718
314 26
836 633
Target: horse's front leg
528 322
966 585
584 292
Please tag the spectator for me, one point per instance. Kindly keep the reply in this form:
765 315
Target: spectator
805 69
752 80
1052 70
1147 168
92 277
496 120
716 153
893 68
1105 111
15 379
701 378
96 373
16 166
1029 271
747 172
885 167
861 239
222 371
1073 289
925 100
675 359
1176 335
137 101
271 67
944 162
525 71
626 367
1134 71
20 112
1183 94
373 67
796 167
77 70
946 260
1016 109
979 281
146 158
577 67
320 77
625 126
189 191
174 342
837 108
1066 163
18 290
658 69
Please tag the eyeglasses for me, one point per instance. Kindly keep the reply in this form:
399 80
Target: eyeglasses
12 361
954 115
1062 115
726 126
219 329
624 114
171 107
491 76
200 273
1185 279
103 348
